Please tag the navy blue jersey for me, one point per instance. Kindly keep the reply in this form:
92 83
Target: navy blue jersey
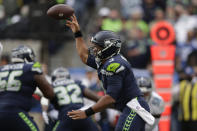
17 85
118 79
69 94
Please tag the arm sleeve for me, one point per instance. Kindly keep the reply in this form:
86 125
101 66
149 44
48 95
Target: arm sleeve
91 61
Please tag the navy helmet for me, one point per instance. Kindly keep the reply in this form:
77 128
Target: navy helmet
145 84
22 54
109 42
60 73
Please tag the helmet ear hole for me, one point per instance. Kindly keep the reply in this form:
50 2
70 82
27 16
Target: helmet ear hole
107 43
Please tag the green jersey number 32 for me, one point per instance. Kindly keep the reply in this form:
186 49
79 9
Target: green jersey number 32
64 97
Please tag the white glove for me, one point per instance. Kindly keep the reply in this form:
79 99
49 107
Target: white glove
53 114
45 117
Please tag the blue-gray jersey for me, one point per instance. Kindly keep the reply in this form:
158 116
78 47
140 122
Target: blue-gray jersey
17 85
69 94
118 79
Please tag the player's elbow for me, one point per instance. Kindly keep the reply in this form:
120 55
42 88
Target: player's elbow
83 58
49 94
110 100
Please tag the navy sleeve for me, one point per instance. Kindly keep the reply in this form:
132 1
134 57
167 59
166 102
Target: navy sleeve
91 61
114 85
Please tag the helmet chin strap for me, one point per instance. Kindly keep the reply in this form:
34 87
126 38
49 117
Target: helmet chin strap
98 61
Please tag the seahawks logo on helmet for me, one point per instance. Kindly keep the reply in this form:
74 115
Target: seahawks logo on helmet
22 54
60 73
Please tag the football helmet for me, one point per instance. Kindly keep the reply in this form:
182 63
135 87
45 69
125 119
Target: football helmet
145 84
109 42
60 73
22 54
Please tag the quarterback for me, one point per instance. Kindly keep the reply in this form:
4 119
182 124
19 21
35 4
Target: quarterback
115 73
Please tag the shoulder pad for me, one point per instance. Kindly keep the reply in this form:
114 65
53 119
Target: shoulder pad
115 67
37 67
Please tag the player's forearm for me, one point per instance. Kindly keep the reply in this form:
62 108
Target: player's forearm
82 49
103 103
91 95
44 86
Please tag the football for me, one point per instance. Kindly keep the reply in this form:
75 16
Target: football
60 11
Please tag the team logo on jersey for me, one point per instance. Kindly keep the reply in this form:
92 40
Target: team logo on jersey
37 67
113 67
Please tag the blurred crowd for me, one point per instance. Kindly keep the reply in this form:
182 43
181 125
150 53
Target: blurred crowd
133 21
27 19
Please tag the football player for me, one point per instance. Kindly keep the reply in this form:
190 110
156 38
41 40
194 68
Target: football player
154 100
18 82
117 78
70 95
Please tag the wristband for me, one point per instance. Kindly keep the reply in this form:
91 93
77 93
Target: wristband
78 34
89 112
54 102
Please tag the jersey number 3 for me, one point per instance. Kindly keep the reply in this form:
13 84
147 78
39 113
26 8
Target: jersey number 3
11 84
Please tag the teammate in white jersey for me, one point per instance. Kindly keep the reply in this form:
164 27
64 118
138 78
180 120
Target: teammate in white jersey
154 100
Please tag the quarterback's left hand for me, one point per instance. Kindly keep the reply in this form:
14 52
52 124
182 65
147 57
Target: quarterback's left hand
77 114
